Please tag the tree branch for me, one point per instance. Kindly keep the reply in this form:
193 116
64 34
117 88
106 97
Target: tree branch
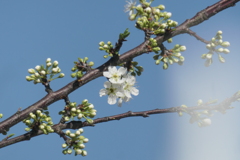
224 105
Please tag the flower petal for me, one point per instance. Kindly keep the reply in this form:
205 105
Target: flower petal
134 91
122 70
120 102
107 74
102 92
107 84
112 99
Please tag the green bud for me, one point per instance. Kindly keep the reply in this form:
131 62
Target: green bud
73 75
101 43
101 48
61 75
180 114
27 129
165 66
1 115
169 40
221 59
161 7
203 56
84 153
79 74
69 151
85 59
157 62
91 64
28 78
181 58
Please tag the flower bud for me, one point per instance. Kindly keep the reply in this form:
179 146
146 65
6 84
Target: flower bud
80 115
49 64
183 48
84 153
148 10
55 63
80 130
38 67
67 132
91 64
78 151
225 44
219 32
81 146
209 56
165 66
157 62
28 78
206 122
72 135
161 7
64 145
27 129
101 43
48 60
43 72
73 75
199 102
69 151
226 51
105 46
168 15
61 75
85 140
31 71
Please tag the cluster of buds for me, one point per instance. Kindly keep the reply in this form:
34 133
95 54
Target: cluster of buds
75 143
150 18
39 120
153 46
216 45
200 117
81 67
107 47
135 69
39 74
170 56
83 110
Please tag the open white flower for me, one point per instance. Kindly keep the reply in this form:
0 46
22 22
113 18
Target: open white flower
129 88
129 6
114 75
113 91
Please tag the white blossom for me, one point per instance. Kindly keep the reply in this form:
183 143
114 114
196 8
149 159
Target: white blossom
114 75
129 6
112 90
129 88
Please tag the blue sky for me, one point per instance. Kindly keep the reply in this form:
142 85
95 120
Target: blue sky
32 31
